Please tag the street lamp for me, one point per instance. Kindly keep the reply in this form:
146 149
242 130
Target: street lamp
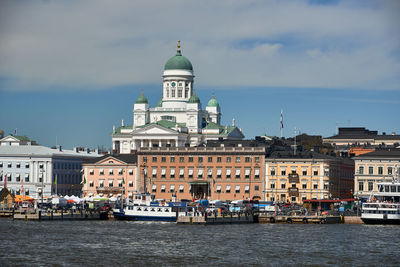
42 174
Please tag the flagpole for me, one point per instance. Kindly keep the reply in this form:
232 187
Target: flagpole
281 123
56 184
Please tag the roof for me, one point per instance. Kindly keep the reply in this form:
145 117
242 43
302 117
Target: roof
299 155
178 62
164 123
127 158
393 152
43 151
118 130
226 130
194 99
213 102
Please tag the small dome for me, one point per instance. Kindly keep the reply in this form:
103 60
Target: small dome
178 62
142 99
194 99
159 104
213 102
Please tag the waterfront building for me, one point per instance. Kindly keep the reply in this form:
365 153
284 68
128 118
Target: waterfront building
16 140
111 175
293 177
35 170
377 166
223 173
178 119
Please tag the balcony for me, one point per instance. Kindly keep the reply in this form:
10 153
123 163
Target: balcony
109 189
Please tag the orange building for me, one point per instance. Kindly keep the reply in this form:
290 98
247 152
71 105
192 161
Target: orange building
110 175
223 173
357 151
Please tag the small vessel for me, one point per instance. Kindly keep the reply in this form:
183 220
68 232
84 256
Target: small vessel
144 208
384 206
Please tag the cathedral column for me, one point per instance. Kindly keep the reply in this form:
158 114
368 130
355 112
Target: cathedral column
159 143
150 143
134 145
141 142
176 142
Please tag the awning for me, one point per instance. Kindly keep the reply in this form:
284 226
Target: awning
256 171
200 172
219 171
237 172
173 171
181 187
246 171
190 171
237 188
155 171
163 187
228 171
219 188
172 187
163 171
228 187
246 188
154 187
210 171
181 171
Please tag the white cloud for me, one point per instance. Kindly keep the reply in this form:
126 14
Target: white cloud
100 44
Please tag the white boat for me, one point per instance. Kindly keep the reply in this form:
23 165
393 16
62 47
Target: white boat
384 206
143 208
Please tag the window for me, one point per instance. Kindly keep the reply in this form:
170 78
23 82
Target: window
380 170
200 159
173 93
283 186
390 170
172 188
26 177
18 165
163 172
361 170
154 173
181 188
370 186
304 186
272 171
40 165
200 173
181 159
247 189
91 184
172 172
304 172
371 170
209 159
163 159
154 188
180 93
9 178
120 171
247 159
247 173
228 159
9 165
130 172
325 186
283 172
218 189
257 159
190 173
219 173
101 183
237 159
283 197
272 186
228 173
91 171
190 159
315 186
154 159
172 159
256 188
110 183
219 159
315 172
181 173
144 159
228 189
1 164
101 172
163 188
130 183
111 171
18 178
237 189
27 165
209 173
257 173
293 199
120 183
237 173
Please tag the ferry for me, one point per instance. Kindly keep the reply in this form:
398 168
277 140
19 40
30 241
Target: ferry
144 208
384 206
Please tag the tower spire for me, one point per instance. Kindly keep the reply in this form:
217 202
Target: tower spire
178 50
141 92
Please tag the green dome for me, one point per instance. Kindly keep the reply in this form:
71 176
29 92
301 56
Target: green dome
213 102
194 99
159 104
178 62
142 99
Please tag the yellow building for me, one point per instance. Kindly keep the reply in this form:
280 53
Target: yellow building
307 175
377 166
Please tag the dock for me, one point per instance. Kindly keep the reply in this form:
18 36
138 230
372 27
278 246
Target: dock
217 219
60 215
316 219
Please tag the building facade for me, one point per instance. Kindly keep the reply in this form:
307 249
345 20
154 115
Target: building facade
111 175
373 167
38 170
178 119
214 173
307 175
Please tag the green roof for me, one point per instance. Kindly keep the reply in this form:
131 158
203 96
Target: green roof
165 124
194 99
225 130
213 102
118 130
159 104
21 138
142 100
178 62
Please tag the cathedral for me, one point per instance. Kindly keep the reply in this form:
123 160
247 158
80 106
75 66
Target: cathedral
178 120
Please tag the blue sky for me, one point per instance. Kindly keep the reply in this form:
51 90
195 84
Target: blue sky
70 70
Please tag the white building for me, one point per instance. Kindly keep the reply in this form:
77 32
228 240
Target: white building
31 170
178 119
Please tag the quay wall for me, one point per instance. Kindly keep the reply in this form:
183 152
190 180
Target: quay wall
353 220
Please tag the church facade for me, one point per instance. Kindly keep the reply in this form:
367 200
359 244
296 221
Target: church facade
178 120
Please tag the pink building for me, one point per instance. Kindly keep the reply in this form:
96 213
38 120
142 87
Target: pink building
110 175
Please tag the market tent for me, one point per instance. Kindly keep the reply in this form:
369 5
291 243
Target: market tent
20 198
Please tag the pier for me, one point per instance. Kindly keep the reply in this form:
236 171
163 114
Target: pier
231 218
60 215
316 219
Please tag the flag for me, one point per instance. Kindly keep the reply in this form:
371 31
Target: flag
5 181
22 186
123 181
281 119
55 179
84 180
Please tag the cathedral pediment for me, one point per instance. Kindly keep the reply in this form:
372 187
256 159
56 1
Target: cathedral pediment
154 129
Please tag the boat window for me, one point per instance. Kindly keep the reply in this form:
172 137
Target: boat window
380 188
398 188
386 188
152 209
159 209
393 188
145 209
139 209
166 210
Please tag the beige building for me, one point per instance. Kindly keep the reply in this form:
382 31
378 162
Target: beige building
307 175
377 166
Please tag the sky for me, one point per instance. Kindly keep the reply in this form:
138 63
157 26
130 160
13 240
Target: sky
70 70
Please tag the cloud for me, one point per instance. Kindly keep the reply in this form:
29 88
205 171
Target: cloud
102 44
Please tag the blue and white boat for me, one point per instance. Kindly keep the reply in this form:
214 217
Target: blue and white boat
144 208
